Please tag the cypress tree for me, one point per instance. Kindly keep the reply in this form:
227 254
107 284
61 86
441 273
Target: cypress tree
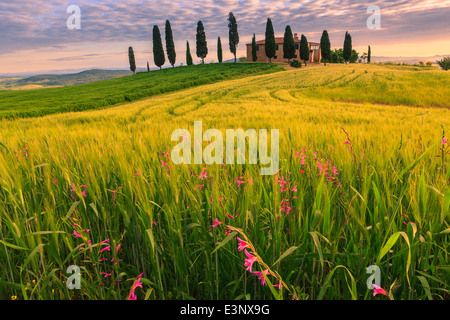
170 45
219 50
233 35
325 47
188 55
148 67
368 55
270 40
202 48
347 47
288 44
254 56
131 59
158 51
304 49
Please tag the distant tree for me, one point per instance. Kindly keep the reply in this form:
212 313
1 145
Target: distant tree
354 56
233 35
254 55
131 59
364 56
304 49
202 48
270 40
158 51
219 50
369 54
288 44
148 67
188 55
337 56
170 45
347 47
444 63
325 47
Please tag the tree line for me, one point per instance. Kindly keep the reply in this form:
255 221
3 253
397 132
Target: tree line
346 54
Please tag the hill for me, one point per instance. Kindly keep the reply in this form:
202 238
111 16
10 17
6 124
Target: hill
106 93
52 80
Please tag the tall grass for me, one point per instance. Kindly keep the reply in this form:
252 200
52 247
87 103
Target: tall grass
385 202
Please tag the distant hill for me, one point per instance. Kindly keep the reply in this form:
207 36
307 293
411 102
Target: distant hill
72 79
61 80
408 60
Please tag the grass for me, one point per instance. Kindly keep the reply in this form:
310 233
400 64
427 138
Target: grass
103 94
387 205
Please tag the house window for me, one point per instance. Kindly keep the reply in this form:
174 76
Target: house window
276 47
296 46
295 56
275 57
257 48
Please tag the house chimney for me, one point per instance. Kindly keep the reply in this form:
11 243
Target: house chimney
295 36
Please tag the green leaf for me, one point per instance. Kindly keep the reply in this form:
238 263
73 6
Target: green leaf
13 246
285 254
228 238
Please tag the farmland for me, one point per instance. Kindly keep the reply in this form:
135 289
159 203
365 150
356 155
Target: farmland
363 181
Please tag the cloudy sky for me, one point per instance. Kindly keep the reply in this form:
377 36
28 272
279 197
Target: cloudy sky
34 36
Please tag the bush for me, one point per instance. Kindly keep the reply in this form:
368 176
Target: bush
429 63
296 64
421 63
444 63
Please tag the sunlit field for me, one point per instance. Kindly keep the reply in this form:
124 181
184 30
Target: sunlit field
363 180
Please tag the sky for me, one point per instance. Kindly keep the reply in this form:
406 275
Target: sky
34 36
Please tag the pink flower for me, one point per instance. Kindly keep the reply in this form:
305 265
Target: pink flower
250 180
137 173
379 290
242 244
249 261
200 186
294 188
261 276
230 216
55 180
105 274
203 175
104 241
137 284
444 140
108 248
216 223
76 234
283 189
83 193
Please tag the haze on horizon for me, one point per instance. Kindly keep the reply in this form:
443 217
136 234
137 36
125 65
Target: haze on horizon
34 36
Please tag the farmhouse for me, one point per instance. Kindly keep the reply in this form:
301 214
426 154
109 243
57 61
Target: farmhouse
314 50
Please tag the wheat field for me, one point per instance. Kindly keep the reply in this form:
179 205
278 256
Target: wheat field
363 180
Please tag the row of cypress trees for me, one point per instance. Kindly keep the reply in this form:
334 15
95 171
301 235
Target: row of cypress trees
233 35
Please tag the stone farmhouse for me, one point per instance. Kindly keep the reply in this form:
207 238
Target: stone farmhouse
314 50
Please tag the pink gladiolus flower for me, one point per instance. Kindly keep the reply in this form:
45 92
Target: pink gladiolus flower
283 189
104 241
87 230
444 140
108 248
137 284
83 193
250 180
103 259
216 223
249 261
154 223
117 262
261 276
242 244
334 171
106 274
200 186
76 234
230 216
203 175
294 188
55 180
379 290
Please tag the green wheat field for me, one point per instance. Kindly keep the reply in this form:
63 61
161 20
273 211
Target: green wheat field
86 179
